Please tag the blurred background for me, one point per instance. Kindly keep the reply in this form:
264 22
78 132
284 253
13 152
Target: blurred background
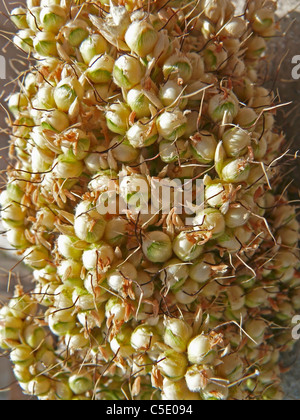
279 67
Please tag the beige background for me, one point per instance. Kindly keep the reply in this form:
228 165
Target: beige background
283 47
